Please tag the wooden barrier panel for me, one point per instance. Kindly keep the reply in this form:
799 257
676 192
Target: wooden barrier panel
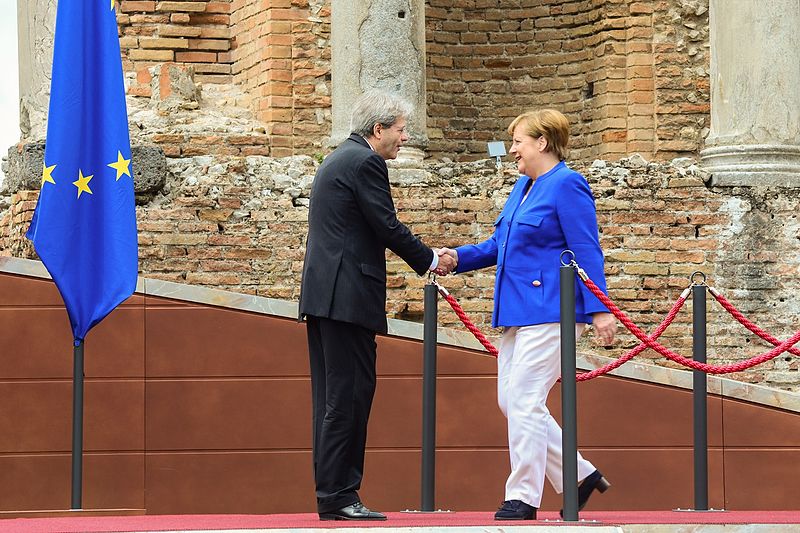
198 409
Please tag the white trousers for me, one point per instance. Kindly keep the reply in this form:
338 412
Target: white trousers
528 365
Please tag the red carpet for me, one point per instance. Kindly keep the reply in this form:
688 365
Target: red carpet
97 524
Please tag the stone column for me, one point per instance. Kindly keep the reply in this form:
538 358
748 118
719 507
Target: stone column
379 44
755 93
36 21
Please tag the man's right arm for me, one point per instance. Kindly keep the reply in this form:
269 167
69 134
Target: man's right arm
374 198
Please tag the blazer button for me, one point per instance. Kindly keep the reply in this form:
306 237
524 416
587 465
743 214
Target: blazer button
536 283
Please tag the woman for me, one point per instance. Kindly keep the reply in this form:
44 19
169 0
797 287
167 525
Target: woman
550 209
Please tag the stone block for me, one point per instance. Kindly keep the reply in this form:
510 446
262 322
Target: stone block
186 7
149 168
195 57
131 6
23 169
163 43
209 44
171 30
151 55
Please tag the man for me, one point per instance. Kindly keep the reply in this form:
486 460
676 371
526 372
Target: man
351 222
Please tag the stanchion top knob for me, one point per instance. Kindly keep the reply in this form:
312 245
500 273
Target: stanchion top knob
697 273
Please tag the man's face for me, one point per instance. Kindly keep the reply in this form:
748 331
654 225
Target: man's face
390 139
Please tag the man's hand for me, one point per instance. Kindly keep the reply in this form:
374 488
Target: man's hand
448 260
605 326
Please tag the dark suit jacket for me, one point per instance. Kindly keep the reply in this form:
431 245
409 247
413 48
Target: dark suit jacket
351 222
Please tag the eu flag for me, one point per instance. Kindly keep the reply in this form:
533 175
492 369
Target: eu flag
84 226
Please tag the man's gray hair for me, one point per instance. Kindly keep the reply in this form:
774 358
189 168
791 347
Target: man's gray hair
377 107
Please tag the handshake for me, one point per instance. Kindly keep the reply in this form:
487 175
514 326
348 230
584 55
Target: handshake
448 260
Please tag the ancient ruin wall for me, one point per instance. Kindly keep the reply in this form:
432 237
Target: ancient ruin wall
186 33
632 76
239 222
282 61
216 209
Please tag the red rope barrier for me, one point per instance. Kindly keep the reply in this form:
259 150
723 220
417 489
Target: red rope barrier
746 323
585 376
467 322
650 341
710 369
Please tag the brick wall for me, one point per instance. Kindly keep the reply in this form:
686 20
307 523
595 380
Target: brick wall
487 64
681 59
282 60
630 75
188 33
15 219
239 223
187 119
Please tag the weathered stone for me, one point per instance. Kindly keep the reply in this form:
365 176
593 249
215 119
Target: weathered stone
149 166
24 168
173 87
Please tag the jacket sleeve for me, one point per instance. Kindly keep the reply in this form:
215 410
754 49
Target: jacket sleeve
476 256
484 254
374 198
578 218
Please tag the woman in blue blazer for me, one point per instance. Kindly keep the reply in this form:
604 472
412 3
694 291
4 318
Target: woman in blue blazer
550 209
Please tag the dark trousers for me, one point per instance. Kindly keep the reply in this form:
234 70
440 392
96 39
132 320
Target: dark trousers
342 357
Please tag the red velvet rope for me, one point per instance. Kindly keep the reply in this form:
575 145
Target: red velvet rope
584 376
467 322
746 323
710 369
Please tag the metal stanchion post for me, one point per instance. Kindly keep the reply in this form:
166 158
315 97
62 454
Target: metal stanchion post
700 399
77 426
700 395
569 434
429 399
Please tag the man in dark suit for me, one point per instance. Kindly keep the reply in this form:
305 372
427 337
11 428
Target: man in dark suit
351 222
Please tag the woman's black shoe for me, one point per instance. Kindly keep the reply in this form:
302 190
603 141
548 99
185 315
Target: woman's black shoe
593 481
515 510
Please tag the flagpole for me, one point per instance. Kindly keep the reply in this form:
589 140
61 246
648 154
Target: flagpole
77 426
86 179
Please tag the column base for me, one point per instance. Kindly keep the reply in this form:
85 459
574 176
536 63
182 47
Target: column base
407 169
408 157
763 165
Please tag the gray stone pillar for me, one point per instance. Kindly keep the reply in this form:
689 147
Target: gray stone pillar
379 44
36 21
755 93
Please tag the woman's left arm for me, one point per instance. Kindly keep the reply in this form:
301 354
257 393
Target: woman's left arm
578 220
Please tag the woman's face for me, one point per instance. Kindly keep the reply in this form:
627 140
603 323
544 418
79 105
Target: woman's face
526 150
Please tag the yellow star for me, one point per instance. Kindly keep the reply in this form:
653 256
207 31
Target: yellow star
47 174
121 165
83 183
112 4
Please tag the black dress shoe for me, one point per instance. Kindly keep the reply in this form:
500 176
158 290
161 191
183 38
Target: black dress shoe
593 481
515 510
356 511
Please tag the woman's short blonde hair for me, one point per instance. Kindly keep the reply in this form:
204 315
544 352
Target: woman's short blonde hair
548 122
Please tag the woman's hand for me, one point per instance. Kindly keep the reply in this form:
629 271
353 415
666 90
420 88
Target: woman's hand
605 326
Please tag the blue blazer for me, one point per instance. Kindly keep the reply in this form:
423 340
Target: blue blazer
526 246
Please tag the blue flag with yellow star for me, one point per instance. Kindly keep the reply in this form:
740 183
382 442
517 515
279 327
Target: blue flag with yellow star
84 226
